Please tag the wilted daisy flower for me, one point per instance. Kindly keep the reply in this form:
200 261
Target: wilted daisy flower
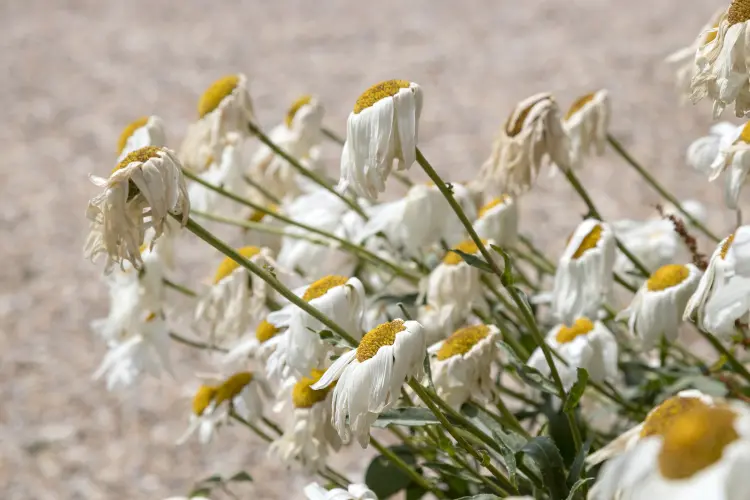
702 453
309 434
583 279
584 344
461 368
656 422
723 294
532 133
498 221
370 377
299 135
314 491
260 344
142 190
236 298
145 131
225 108
455 283
587 125
382 128
225 170
339 298
723 72
657 308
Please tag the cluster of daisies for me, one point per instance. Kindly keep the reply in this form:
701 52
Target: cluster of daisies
333 309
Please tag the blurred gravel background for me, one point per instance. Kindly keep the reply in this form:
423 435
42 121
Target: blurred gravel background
77 71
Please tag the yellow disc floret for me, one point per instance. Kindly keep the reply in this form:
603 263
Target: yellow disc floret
139 155
321 287
696 440
379 91
667 277
578 104
128 131
265 331
581 326
514 127
501 200
738 12
203 397
660 418
381 335
216 93
461 341
228 266
589 241
305 397
726 246
232 387
296 105
453 259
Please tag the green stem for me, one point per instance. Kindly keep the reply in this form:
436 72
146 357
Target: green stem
650 179
195 344
259 226
306 172
399 271
273 426
180 288
716 344
269 278
265 192
413 474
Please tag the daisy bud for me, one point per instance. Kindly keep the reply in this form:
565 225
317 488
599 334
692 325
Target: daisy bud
532 133
382 128
587 125
141 191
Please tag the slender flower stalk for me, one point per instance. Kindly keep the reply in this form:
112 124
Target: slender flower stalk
180 288
259 226
262 190
195 344
413 474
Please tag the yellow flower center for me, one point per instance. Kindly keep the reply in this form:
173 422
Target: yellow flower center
744 135
321 287
296 105
513 128
589 242
578 104
128 131
139 155
232 386
726 246
738 12
203 397
216 93
468 246
381 335
581 326
696 440
305 397
501 200
660 418
667 277
258 216
228 266
265 331
461 341
379 91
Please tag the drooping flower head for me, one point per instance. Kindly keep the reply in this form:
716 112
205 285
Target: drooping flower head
145 131
498 221
455 283
587 125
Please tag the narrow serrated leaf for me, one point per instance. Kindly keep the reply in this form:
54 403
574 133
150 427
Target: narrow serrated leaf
579 484
543 451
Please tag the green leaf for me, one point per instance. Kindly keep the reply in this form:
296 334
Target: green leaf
384 478
481 496
241 476
428 371
473 261
415 492
507 277
407 417
200 492
543 451
579 484
576 468
574 396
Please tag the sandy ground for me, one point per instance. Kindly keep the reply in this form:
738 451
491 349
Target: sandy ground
77 70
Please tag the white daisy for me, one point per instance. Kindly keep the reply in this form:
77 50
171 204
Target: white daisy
657 308
583 280
139 194
236 298
226 172
370 377
584 344
382 128
587 125
732 153
656 422
309 434
339 298
654 242
723 73
314 491
703 453
723 294
145 131
498 221
260 344
454 283
461 368
532 133
224 109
